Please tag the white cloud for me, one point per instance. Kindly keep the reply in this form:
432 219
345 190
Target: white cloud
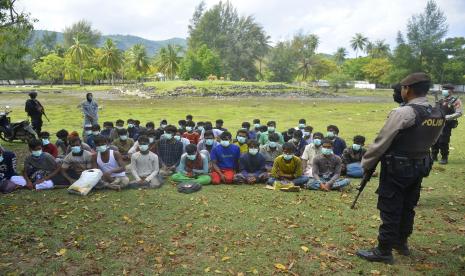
334 21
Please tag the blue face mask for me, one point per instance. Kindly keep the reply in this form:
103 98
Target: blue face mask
317 142
256 125
301 126
200 128
36 153
177 137
253 151
326 151
189 129
102 148
123 137
224 143
168 136
130 125
144 147
330 134
1 158
445 93
151 140
241 139
306 134
209 142
191 157
356 147
271 129
76 149
288 156
272 144
45 142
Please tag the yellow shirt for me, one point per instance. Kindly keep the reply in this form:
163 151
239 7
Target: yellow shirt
244 148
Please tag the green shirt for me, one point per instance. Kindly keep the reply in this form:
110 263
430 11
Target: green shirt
292 167
264 138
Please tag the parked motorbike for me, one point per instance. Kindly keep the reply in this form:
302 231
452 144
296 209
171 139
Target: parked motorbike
15 131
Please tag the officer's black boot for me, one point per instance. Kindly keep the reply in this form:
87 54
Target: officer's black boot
444 160
402 248
376 255
435 156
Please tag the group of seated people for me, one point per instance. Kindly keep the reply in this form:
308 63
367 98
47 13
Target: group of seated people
191 152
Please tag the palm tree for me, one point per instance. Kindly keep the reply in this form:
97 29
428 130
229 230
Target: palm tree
139 58
168 60
380 49
358 43
111 58
340 55
79 53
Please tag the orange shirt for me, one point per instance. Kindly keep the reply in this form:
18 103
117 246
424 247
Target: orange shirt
192 137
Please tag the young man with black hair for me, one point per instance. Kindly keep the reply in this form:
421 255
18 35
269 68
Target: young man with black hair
189 118
307 134
352 158
111 163
299 143
150 126
225 160
107 128
35 110
41 171
182 126
9 178
90 138
219 125
326 170
253 133
206 145
311 150
241 141
271 150
169 151
271 125
119 124
133 129
47 146
288 135
77 161
145 166
288 167
190 134
124 144
403 147
251 166
302 124
62 142
338 143
192 167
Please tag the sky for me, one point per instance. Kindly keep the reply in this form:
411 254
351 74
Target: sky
334 21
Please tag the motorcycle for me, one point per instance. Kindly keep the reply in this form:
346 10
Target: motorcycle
10 132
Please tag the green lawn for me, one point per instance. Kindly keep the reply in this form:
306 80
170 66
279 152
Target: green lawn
225 230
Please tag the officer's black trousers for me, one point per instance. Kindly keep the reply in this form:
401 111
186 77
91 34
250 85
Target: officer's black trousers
36 122
398 194
443 143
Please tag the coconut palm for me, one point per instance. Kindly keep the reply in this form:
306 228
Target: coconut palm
139 58
340 55
380 49
111 58
79 53
358 43
167 60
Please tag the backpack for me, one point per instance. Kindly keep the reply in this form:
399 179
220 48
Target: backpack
189 187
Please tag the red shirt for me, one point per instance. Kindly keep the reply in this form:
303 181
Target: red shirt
192 137
50 149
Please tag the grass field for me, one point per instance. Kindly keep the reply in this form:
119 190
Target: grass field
226 230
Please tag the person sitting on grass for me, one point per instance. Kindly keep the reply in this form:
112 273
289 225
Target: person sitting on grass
62 142
169 151
338 143
184 141
107 128
9 178
145 166
84 146
47 146
271 129
252 166
90 137
302 124
299 143
123 143
288 135
310 152
77 161
193 167
271 150
133 129
182 126
241 141
111 163
114 133
41 171
206 145
352 158
326 170
307 133
225 160
255 129
287 167
190 134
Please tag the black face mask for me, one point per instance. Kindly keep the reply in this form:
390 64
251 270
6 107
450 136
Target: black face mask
397 98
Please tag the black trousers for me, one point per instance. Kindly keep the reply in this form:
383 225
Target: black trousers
398 194
36 122
443 143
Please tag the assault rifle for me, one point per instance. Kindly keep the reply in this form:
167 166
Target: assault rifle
365 180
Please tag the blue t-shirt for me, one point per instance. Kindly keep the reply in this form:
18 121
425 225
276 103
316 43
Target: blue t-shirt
226 157
338 146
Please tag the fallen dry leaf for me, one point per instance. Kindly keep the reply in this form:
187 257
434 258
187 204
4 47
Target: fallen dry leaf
280 266
61 252
304 248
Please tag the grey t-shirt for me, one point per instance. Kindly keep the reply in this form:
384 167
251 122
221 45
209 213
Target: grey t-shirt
78 163
45 162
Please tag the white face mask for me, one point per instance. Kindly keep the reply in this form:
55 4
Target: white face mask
144 147
253 151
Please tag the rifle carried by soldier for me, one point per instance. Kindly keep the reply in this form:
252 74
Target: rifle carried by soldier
366 178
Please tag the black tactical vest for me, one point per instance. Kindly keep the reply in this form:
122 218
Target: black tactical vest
415 141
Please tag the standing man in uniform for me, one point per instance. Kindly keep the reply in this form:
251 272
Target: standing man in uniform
90 110
403 146
35 110
452 107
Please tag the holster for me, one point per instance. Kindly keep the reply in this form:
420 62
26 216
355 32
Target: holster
408 167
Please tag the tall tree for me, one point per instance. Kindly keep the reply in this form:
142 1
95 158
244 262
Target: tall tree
168 60
358 43
111 58
80 53
138 60
281 63
340 55
379 49
305 47
82 30
238 40
50 68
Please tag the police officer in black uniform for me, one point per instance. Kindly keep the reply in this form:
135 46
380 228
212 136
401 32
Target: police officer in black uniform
403 147
452 106
35 110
